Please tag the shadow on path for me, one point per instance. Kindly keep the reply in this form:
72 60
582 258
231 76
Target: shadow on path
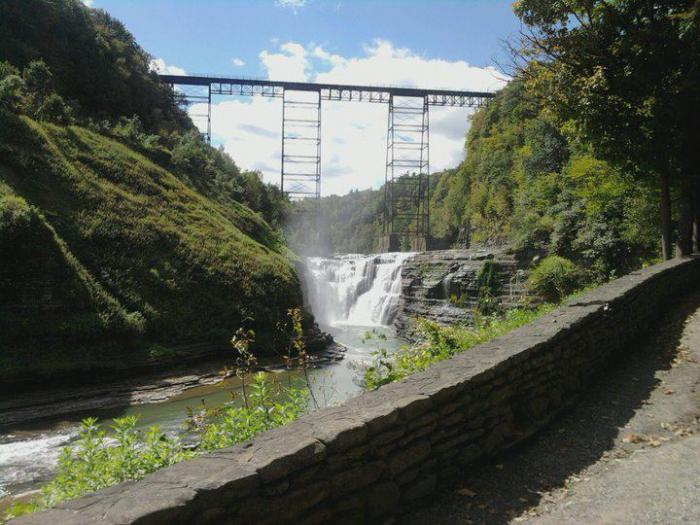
506 487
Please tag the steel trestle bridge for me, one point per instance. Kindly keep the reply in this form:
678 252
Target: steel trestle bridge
406 188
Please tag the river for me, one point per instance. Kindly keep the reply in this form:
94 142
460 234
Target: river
349 295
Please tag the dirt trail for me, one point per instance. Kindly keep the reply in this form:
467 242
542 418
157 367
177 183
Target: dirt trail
629 452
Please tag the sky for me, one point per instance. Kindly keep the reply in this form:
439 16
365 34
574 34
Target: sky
426 44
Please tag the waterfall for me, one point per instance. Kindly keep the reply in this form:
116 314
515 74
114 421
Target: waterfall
360 290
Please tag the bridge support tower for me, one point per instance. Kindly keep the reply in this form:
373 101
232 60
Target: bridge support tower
199 98
301 144
407 175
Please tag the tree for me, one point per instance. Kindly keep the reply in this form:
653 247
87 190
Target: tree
97 65
626 73
11 87
54 109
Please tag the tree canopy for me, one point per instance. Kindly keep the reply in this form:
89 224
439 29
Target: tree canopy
625 73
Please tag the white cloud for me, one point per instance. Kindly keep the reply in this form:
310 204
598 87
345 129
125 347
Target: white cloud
385 64
353 133
88 2
159 66
237 62
290 63
292 4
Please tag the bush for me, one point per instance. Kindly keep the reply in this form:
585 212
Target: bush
15 215
554 278
267 405
11 89
488 289
54 109
96 461
440 343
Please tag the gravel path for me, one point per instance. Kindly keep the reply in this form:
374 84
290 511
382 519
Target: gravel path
628 453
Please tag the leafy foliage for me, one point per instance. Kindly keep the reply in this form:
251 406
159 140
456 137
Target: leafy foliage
442 342
95 62
554 278
488 287
535 183
100 459
182 151
268 404
624 75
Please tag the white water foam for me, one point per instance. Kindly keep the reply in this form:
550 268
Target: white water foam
28 461
359 290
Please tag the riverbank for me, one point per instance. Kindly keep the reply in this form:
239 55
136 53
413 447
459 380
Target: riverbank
154 388
36 427
148 388
111 362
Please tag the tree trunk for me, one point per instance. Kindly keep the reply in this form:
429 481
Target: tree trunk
685 219
666 229
696 215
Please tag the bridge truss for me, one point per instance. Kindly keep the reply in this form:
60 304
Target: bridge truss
407 171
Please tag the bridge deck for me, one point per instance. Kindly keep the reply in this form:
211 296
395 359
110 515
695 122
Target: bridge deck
221 85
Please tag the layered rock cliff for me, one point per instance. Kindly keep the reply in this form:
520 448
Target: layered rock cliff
443 286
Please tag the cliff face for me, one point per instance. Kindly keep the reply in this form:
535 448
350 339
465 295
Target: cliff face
443 285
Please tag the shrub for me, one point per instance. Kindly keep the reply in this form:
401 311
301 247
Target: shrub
54 109
488 289
11 88
442 342
98 460
15 215
268 405
554 278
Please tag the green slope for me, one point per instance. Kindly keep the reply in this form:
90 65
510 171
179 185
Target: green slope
101 247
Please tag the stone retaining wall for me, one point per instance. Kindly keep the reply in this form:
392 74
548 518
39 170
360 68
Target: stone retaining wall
383 451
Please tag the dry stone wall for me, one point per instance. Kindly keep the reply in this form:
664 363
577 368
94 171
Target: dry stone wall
384 451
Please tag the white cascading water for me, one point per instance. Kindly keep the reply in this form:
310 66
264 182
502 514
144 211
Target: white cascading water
359 290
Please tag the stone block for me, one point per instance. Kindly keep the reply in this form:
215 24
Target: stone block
407 457
382 499
352 480
421 488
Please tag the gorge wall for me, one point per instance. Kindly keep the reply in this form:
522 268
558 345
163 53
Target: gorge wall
443 285
382 452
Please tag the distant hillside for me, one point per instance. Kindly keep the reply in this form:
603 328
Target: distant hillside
101 245
350 223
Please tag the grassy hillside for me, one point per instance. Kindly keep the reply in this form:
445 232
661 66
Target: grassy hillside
100 244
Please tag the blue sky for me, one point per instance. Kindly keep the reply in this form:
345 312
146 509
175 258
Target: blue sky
203 35
447 44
